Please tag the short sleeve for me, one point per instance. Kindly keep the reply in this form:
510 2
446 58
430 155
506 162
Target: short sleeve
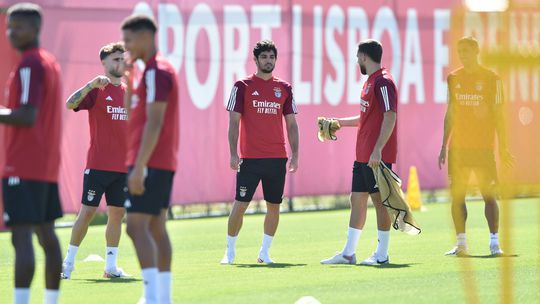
158 85
31 75
385 92
236 99
88 102
289 107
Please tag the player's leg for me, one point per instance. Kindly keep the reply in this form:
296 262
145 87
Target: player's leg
358 200
459 174
487 176
53 260
138 229
273 184
247 180
380 256
164 256
21 239
115 195
91 197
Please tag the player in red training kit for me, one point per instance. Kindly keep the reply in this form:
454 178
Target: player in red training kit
376 142
152 151
105 173
30 177
257 106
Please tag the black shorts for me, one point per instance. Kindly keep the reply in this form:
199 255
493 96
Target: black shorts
97 182
30 201
271 171
157 194
363 179
463 163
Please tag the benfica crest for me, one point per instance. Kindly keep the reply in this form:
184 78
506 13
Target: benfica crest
243 191
91 195
277 92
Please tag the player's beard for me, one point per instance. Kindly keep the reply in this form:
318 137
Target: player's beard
363 69
267 70
116 73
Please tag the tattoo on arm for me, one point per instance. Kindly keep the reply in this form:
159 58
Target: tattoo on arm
76 98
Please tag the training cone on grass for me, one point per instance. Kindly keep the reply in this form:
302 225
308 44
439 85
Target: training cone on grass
414 197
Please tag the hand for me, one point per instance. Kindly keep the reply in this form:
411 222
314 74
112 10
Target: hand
136 181
235 162
375 159
293 164
507 159
100 82
442 157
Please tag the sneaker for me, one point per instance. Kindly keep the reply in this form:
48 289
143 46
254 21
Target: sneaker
339 258
228 258
496 250
459 250
67 268
115 273
375 260
264 258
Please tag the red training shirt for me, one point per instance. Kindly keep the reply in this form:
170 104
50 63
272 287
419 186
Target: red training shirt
379 95
107 118
262 103
33 152
158 84
473 99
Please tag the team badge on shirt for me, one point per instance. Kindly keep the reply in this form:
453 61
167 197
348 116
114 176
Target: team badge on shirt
277 92
91 195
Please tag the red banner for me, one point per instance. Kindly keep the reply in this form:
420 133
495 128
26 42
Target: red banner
210 45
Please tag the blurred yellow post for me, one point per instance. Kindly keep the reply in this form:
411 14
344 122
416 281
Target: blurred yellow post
414 197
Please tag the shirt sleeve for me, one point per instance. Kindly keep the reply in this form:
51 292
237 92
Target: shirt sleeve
31 75
158 85
88 102
289 107
236 99
385 93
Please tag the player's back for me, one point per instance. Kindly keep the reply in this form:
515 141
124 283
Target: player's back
33 152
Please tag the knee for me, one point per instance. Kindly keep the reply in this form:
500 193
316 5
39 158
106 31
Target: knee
116 216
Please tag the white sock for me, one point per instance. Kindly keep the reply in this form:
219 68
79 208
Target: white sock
111 254
21 296
382 245
71 253
150 281
266 242
51 296
231 243
353 235
493 239
165 283
461 239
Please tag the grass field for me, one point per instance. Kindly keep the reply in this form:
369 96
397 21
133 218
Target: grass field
418 273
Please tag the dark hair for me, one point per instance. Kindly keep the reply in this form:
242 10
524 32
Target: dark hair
372 48
139 23
111 48
27 10
470 41
264 46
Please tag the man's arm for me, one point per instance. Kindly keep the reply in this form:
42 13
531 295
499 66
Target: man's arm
155 114
446 136
76 98
234 126
25 116
387 127
349 121
293 136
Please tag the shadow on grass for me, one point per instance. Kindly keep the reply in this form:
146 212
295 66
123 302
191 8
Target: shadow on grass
489 256
389 266
273 265
118 280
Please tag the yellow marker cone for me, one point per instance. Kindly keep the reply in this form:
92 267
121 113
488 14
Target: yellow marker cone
414 197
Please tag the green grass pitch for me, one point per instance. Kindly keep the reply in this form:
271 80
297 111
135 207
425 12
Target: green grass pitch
418 273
